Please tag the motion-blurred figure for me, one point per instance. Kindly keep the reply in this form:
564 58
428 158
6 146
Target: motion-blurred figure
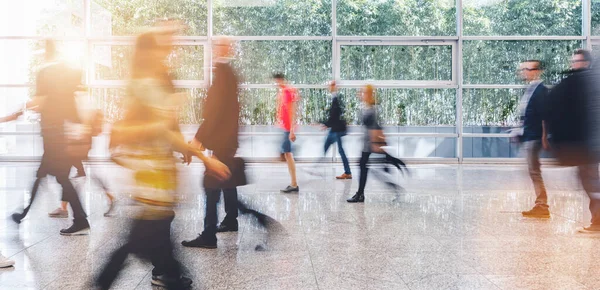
287 100
219 133
532 112
56 85
572 128
374 141
337 128
144 141
79 148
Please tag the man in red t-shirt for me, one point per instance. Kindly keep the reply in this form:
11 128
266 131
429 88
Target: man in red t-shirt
286 115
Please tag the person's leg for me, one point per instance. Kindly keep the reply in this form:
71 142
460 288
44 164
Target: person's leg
291 163
17 217
78 164
343 154
80 223
330 139
231 209
208 238
589 176
364 169
111 270
167 270
534 148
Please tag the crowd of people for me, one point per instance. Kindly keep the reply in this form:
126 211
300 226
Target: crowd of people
562 119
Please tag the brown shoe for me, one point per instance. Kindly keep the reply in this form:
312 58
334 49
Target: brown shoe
344 176
537 212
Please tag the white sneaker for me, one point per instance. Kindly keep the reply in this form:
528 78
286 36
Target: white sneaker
5 262
59 213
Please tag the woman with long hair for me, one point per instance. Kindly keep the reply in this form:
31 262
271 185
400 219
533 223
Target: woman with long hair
144 141
372 142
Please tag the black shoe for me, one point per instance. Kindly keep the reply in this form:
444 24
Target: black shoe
201 242
537 212
357 198
77 229
17 217
291 189
222 228
164 281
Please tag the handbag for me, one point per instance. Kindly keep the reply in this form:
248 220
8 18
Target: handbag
377 139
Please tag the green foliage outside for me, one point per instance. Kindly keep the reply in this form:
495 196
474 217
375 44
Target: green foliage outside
310 62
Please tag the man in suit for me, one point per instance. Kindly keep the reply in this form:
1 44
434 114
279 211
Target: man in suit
573 123
532 112
337 128
219 133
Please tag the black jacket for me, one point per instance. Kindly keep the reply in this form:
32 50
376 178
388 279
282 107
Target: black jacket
535 114
335 120
219 130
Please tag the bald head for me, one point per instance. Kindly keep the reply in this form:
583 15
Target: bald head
222 47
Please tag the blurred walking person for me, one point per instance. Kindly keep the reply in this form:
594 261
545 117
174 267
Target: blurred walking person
532 112
144 141
287 99
219 133
337 128
373 141
56 85
572 128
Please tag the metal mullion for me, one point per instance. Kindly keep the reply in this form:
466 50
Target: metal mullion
487 135
459 79
41 37
22 85
393 43
397 38
360 84
586 23
487 86
131 38
520 37
271 86
282 38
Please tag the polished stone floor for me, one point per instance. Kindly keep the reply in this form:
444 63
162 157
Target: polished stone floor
454 227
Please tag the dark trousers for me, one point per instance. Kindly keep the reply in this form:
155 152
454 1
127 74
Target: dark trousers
149 240
364 169
590 179
51 165
211 218
336 137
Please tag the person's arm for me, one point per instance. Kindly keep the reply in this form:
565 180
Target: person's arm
293 108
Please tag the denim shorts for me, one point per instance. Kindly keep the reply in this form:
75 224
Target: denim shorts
286 146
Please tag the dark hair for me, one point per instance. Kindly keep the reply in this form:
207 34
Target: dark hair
587 56
279 76
540 64
145 63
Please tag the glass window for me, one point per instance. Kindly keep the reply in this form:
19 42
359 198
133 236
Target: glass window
595 17
50 18
396 62
490 110
130 17
490 147
523 17
110 101
114 62
496 62
272 17
303 62
24 58
406 107
259 106
396 17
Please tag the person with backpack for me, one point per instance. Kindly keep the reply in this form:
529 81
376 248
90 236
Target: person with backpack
337 128
571 128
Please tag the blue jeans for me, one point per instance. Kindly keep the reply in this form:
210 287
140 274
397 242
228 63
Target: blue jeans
334 137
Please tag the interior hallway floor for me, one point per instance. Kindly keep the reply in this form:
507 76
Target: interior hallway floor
453 227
